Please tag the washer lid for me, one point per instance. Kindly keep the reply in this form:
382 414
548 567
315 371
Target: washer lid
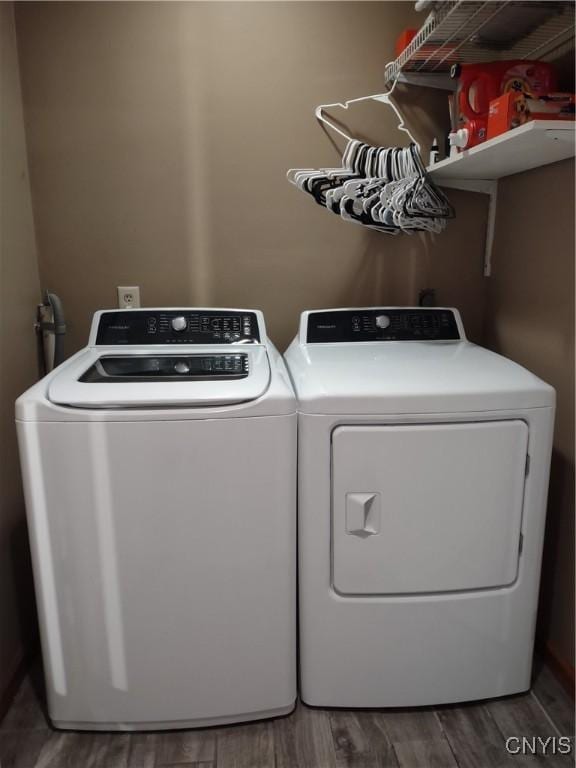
106 377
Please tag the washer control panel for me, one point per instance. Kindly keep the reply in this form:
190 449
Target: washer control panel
177 326
386 324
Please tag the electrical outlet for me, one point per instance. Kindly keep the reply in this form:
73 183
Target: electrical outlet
128 296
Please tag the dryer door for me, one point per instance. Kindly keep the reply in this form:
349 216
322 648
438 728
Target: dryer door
427 507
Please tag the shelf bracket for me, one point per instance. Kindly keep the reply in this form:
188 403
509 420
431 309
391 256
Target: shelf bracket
487 187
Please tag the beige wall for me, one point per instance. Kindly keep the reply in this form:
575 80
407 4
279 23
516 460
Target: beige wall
19 293
530 318
159 138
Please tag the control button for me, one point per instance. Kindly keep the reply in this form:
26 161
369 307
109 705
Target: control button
382 321
182 367
179 323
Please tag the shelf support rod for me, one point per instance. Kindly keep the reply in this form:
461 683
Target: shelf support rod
487 187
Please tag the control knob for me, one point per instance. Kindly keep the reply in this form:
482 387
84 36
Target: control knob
182 368
382 321
179 323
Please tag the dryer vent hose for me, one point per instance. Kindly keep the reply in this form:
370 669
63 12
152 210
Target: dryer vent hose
50 322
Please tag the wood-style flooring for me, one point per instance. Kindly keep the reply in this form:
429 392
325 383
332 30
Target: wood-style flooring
469 736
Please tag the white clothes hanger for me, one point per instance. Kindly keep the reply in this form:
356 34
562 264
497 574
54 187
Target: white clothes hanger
383 97
297 176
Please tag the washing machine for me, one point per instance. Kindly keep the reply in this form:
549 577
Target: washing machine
159 468
423 475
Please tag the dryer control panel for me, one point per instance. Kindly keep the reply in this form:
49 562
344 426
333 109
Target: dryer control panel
177 326
386 324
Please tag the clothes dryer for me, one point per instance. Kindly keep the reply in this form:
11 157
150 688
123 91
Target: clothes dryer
159 468
423 476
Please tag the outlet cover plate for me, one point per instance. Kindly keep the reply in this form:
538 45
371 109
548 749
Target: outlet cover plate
128 296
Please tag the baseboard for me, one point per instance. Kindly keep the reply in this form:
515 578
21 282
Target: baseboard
562 669
19 667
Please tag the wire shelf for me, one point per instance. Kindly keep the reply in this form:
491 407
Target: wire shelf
465 31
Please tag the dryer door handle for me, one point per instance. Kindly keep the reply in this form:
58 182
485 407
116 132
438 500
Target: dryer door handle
363 514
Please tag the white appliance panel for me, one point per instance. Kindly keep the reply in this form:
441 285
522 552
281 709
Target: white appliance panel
164 561
427 508
414 649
